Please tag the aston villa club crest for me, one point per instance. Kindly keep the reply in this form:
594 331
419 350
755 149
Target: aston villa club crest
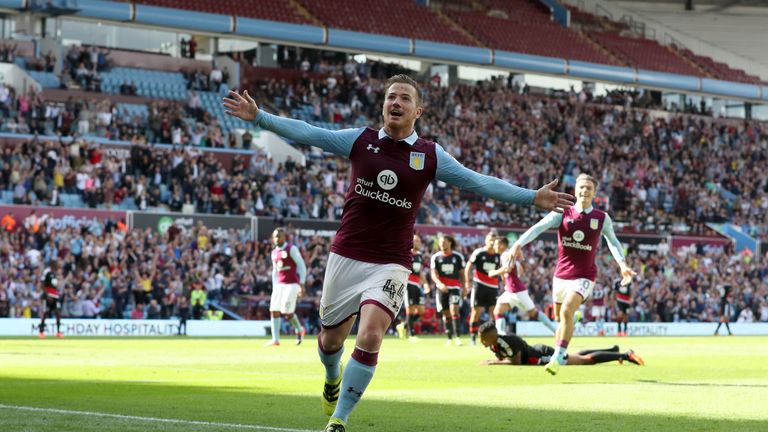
594 223
417 161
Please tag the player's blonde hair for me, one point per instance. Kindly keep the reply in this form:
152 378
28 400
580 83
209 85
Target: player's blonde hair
404 79
584 176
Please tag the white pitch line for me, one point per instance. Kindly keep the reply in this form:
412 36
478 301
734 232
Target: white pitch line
153 419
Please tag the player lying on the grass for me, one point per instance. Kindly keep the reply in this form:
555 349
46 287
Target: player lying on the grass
511 349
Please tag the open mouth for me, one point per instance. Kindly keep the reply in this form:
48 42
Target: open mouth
396 114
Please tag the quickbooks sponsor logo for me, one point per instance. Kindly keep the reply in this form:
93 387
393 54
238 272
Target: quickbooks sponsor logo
387 179
361 188
571 244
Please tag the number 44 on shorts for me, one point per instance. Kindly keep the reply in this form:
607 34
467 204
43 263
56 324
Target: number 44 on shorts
394 288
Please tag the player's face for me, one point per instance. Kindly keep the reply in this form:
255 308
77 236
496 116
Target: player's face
416 242
445 245
585 192
499 246
400 107
278 237
489 240
489 339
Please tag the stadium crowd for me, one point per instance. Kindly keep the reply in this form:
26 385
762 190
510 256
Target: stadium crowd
167 121
658 171
111 272
108 271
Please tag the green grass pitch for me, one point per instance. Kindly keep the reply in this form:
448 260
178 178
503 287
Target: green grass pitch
93 384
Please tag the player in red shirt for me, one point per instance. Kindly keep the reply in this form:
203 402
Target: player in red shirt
371 254
579 230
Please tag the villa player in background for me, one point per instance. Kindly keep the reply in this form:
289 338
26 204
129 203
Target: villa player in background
598 307
515 292
579 230
288 275
371 256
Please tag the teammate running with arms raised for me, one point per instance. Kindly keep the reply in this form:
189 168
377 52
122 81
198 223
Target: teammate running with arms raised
371 254
579 231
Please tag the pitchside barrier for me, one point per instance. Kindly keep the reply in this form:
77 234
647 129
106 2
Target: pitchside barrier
127 328
166 328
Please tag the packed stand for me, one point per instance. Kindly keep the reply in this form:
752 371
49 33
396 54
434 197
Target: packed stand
166 121
671 173
83 66
108 271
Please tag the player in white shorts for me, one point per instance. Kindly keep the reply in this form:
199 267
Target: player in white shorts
579 232
515 292
288 275
598 308
391 169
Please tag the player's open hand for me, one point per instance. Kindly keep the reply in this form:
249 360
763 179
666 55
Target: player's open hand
626 275
240 106
548 199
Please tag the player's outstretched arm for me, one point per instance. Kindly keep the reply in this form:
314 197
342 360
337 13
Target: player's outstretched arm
452 172
244 107
615 247
551 220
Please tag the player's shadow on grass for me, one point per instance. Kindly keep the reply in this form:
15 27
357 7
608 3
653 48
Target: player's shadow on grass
251 405
695 384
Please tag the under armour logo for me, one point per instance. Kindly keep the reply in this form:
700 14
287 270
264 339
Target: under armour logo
373 148
352 390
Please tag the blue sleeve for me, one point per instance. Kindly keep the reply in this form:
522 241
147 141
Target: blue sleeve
452 172
336 142
613 243
551 220
301 268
